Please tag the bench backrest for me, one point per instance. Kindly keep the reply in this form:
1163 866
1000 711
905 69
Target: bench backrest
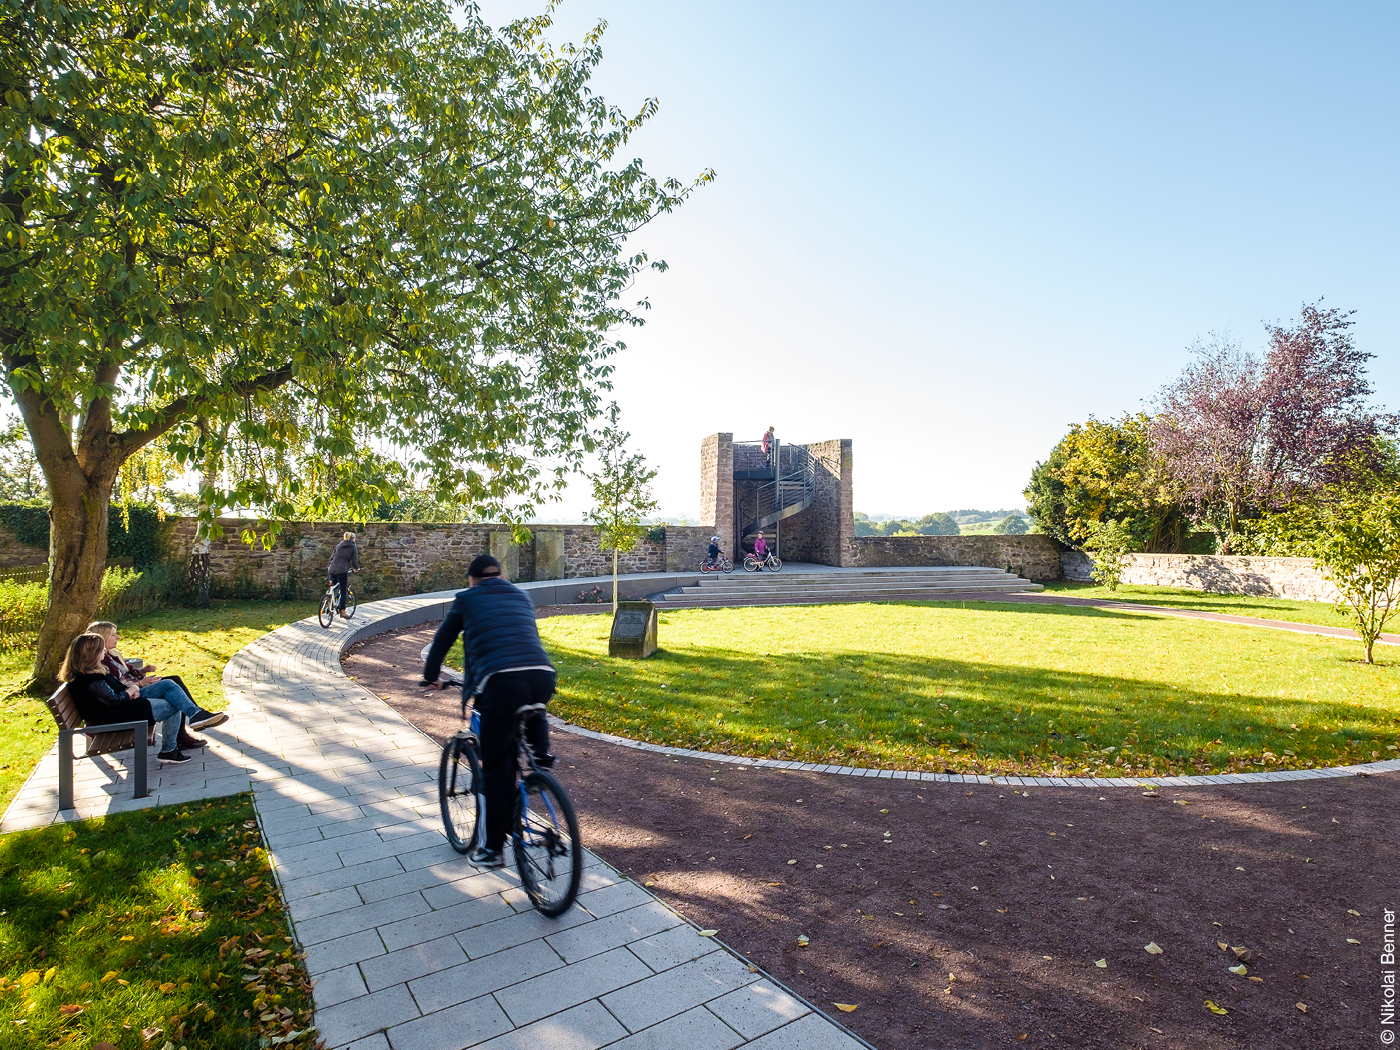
64 711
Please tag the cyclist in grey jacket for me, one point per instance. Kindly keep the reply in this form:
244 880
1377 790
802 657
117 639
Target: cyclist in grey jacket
507 671
345 557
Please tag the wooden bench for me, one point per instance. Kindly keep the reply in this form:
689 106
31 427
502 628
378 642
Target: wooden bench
101 740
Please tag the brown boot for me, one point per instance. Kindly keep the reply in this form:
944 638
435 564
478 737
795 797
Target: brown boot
187 741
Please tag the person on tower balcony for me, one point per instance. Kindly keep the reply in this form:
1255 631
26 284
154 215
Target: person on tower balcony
768 445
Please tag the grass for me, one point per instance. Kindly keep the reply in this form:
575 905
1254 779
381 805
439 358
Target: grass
157 928
1266 607
193 643
984 687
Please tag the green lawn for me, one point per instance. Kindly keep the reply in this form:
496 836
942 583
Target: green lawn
193 643
157 928
1265 607
984 687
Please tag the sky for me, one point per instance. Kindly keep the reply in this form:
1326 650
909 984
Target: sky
948 231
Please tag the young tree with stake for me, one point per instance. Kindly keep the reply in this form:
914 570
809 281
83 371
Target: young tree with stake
621 493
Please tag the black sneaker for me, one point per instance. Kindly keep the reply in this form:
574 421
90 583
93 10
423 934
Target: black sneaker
206 719
173 755
545 761
486 858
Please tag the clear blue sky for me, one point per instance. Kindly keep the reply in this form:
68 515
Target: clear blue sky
947 231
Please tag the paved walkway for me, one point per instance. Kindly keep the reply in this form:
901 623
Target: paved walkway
410 946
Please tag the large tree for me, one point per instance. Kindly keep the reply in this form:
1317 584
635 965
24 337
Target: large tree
1245 435
353 214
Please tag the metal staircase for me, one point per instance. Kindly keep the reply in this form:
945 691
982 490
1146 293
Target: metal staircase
791 490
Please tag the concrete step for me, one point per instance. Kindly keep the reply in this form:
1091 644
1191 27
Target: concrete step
894 585
702 601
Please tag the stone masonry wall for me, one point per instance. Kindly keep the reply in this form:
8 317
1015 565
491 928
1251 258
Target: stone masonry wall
717 486
1034 557
1297 578
822 531
16 555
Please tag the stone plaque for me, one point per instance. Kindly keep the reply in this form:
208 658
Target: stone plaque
549 555
633 631
506 551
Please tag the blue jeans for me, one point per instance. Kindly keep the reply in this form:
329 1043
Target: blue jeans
169 704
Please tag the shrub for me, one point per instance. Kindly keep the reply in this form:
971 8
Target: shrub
125 593
1109 542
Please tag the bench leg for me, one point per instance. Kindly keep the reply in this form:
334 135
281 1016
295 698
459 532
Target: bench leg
140 770
65 768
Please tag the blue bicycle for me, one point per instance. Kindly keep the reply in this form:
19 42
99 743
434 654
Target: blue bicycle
544 832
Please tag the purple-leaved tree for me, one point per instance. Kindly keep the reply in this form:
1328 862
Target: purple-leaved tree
1245 435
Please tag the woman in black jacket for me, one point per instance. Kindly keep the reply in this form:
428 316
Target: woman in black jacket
103 700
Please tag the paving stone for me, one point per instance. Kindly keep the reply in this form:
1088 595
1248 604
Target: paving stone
338 986
558 990
435 924
449 985
647 1002
416 960
614 898
463 1025
585 1027
356 1018
381 914
376 870
696 1029
482 941
757 1009
301 908
378 1041
617 929
812 1032
673 947
463 885
331 955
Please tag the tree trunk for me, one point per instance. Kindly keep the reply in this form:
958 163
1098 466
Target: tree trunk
614 581
199 573
77 558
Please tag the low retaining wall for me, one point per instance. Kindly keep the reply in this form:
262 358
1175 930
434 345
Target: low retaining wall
1297 578
1034 557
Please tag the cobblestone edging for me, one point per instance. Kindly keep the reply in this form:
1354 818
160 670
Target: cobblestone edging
1365 770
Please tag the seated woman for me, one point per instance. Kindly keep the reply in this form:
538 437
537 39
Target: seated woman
162 692
103 700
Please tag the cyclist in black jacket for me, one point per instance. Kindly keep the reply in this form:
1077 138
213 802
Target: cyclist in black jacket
507 670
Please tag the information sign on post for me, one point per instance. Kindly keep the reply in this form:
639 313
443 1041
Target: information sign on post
633 631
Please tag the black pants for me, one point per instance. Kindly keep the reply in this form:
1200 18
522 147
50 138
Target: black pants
342 582
505 694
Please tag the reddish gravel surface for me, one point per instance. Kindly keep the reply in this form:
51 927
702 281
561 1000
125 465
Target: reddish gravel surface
957 916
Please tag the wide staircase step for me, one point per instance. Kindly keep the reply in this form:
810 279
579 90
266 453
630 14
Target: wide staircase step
741 588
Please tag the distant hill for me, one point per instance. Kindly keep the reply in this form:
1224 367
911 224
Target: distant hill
942 523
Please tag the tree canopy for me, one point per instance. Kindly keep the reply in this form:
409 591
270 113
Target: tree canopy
331 227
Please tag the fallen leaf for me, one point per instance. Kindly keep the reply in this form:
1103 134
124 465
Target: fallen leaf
775 884
1302 1006
1217 924
803 940
1239 970
845 1008
1242 953
1238 868
1222 946
150 1033
1258 980
107 976
1353 911
69 1010
1023 1038
983 842
1352 940
1151 948
792 862
1215 1009
649 884
30 979
1102 964
708 933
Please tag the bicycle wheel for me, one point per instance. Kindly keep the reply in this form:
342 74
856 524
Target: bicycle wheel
750 563
459 792
726 566
775 563
350 606
706 567
548 855
327 611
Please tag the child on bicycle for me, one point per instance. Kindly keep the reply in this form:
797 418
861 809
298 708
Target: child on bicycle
760 549
712 556
507 671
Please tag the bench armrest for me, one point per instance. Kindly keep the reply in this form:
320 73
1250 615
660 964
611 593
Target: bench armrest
65 757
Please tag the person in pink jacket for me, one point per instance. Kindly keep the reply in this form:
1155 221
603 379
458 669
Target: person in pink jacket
760 548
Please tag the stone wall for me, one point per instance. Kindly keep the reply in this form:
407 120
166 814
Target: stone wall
16 555
686 546
823 531
717 486
1034 557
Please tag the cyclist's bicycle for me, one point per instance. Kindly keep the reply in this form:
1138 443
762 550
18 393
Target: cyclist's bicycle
772 563
330 602
720 564
544 831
